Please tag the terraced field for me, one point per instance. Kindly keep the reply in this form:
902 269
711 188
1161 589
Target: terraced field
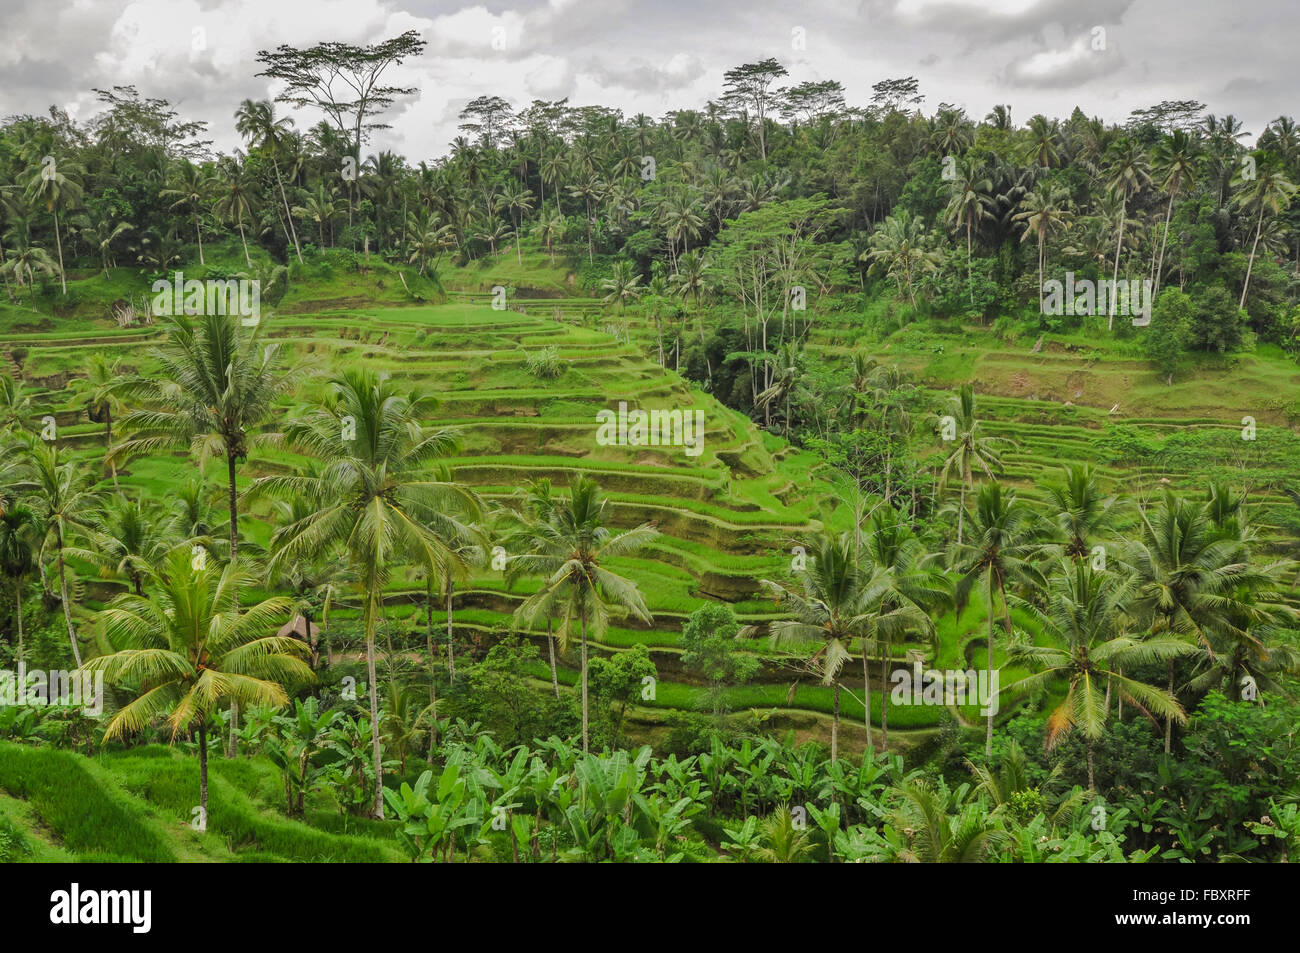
727 517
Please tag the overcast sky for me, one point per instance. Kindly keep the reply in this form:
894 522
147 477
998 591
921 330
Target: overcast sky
656 55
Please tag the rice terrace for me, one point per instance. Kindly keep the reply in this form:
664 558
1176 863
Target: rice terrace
811 470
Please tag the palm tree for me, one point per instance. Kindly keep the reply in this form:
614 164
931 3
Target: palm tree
54 186
970 204
256 122
910 589
1004 538
1129 175
516 200
788 367
190 186
188 648
900 246
835 603
1044 137
623 285
1043 213
528 535
1087 621
26 260
1176 160
101 383
1195 581
66 502
235 199
972 449
1270 191
1081 513
216 383
570 549
19 538
129 537
372 498
101 235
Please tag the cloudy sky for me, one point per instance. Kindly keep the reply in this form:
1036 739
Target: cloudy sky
1107 56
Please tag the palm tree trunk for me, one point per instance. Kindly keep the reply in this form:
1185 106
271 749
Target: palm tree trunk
1087 744
372 688
583 621
203 772
293 232
433 669
1259 225
1169 722
244 242
835 723
1114 283
961 511
232 744
550 642
18 603
108 439
1164 239
988 731
67 611
451 646
58 241
884 703
198 233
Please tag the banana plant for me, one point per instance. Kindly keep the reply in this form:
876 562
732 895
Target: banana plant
428 825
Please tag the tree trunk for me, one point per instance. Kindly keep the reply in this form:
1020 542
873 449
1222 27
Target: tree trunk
835 724
232 745
583 621
1164 240
451 646
433 669
244 242
372 688
1087 744
198 233
1114 284
203 772
67 611
550 642
1169 722
1259 225
63 278
884 702
988 731
293 232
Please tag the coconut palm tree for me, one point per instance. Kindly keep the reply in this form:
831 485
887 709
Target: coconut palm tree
236 192
834 604
570 549
527 533
971 449
1176 160
256 123
190 186
970 203
1088 624
1269 191
1129 174
1196 582
19 539
516 200
1081 513
101 383
623 285
187 649
372 498
900 246
216 383
1043 213
56 186
911 588
128 537
101 235
66 503
1005 537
